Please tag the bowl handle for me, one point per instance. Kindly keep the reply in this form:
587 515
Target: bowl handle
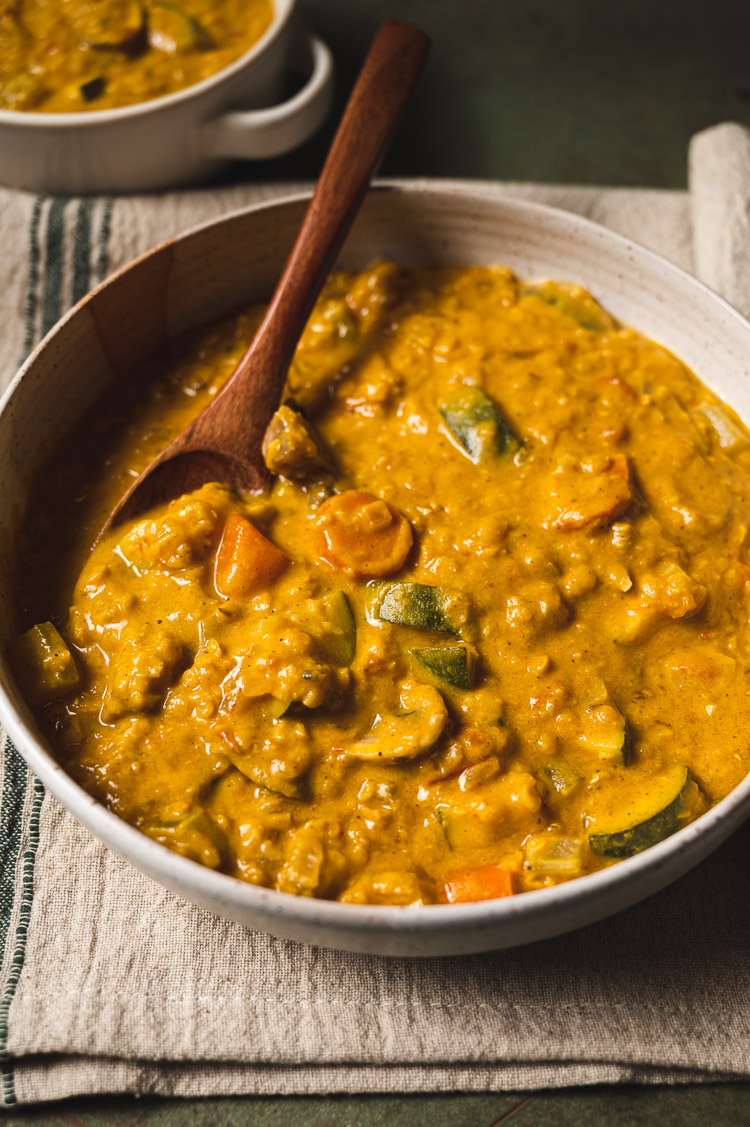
257 134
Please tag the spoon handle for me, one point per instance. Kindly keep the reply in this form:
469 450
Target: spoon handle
224 443
372 113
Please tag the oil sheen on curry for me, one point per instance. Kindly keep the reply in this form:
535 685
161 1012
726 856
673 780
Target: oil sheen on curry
60 56
487 632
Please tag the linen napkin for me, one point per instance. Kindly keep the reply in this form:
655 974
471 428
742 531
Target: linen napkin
111 984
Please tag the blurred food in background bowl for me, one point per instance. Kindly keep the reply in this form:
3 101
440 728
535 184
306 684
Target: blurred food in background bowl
152 101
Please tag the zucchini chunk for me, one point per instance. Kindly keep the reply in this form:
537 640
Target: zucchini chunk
418 605
109 24
267 774
49 670
339 630
195 835
477 426
22 92
450 665
574 302
174 31
653 816
559 776
93 88
406 734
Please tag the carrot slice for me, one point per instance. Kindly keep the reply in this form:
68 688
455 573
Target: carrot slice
362 535
246 561
485 883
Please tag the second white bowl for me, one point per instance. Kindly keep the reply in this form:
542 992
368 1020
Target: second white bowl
184 137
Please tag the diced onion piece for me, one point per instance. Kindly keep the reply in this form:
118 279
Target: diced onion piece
730 435
549 853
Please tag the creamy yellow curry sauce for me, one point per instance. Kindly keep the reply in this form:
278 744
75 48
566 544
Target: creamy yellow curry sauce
487 632
67 56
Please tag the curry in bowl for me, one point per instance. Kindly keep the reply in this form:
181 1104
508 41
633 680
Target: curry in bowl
485 634
68 56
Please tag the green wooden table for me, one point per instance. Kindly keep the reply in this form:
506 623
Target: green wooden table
582 91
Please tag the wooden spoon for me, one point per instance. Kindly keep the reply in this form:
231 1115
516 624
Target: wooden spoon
224 442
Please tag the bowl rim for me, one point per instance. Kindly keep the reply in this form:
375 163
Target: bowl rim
162 863
283 10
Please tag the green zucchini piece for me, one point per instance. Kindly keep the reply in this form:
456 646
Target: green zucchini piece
339 630
93 88
439 818
111 24
574 302
653 817
195 835
418 605
22 92
408 733
259 771
449 665
48 668
173 30
559 776
475 423
282 708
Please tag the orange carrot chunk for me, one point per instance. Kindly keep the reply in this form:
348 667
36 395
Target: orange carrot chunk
362 535
246 561
485 883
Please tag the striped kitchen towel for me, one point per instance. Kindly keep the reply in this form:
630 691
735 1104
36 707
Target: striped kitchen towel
108 983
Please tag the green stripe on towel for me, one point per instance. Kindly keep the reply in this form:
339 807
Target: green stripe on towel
82 250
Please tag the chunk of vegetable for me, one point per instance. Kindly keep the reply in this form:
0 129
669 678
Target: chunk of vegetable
278 765
665 594
246 561
730 434
291 447
418 605
605 729
477 426
406 734
658 811
338 630
553 853
195 835
362 535
450 665
49 669
574 302
174 31
93 88
582 499
22 92
117 24
560 777
488 882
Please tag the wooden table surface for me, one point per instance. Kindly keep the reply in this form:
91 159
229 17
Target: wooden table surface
578 91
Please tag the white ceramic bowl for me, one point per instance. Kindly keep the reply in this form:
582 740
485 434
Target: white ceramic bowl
181 138
208 273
